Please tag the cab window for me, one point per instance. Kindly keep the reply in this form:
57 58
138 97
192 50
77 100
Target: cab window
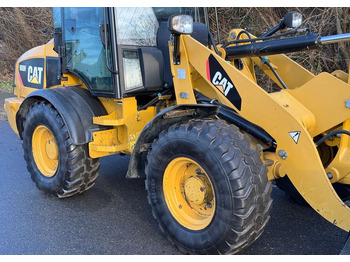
136 26
85 54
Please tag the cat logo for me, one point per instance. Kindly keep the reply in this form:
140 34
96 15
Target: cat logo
217 76
219 80
34 74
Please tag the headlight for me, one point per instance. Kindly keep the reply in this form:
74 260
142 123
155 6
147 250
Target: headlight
180 24
293 19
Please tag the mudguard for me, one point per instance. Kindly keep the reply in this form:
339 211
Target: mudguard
162 121
76 106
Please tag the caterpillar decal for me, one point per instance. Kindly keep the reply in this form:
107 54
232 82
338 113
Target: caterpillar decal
219 78
31 73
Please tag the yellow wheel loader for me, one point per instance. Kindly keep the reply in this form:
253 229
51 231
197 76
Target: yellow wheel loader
152 83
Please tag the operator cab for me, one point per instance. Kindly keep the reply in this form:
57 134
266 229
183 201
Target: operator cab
122 51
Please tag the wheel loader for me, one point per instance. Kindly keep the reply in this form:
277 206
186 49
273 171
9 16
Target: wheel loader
207 139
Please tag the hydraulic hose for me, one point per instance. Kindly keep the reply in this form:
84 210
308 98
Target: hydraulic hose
332 133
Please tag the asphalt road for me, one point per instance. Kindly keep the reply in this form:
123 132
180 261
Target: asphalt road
114 217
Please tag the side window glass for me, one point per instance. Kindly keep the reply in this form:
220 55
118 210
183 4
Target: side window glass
136 26
132 69
85 54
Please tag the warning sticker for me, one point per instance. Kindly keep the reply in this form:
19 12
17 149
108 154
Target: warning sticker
295 136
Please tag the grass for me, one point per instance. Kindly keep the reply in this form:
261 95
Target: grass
6 85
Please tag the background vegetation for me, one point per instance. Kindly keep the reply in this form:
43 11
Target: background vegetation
22 29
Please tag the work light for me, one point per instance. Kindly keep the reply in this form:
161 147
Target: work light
180 24
293 19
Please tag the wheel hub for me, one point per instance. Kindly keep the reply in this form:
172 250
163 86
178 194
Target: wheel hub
189 193
45 151
197 190
51 149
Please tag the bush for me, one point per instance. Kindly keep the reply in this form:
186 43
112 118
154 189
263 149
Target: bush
325 21
21 30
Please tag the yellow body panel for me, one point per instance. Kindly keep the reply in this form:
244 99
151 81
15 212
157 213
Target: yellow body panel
292 74
340 166
181 77
11 107
324 96
128 124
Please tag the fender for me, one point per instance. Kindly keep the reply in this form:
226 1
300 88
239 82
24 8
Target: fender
159 123
76 106
256 131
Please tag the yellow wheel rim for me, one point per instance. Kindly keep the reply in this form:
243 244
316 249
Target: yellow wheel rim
45 151
189 193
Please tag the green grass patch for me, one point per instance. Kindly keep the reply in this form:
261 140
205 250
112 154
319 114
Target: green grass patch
6 85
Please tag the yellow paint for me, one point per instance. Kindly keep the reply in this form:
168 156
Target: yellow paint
11 107
292 74
189 193
324 96
45 151
127 122
273 165
340 166
341 75
109 120
105 143
132 141
182 76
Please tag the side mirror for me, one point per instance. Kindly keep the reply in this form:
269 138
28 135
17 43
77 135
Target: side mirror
180 24
292 19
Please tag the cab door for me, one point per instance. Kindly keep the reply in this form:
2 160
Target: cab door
85 53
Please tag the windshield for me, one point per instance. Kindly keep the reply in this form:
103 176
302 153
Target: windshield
139 25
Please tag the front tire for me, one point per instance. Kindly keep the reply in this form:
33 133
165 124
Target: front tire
57 167
208 187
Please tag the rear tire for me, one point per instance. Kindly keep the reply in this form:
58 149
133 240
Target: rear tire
208 187
57 167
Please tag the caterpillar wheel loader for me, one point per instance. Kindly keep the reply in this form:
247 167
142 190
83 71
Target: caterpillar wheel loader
152 83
